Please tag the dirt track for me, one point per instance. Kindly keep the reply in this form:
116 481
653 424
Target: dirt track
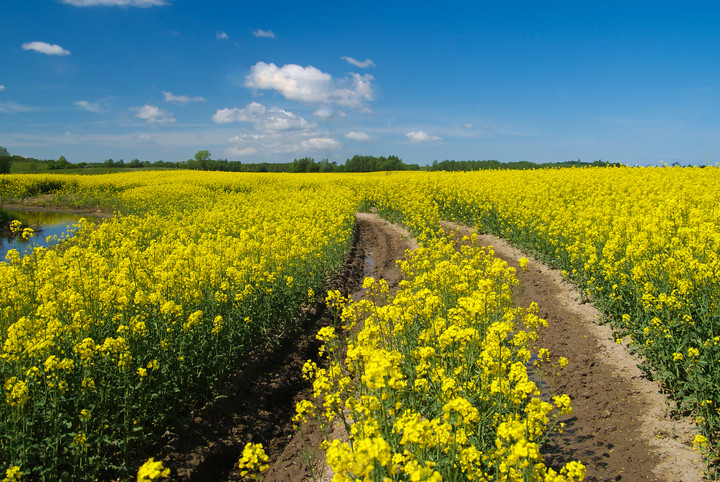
619 427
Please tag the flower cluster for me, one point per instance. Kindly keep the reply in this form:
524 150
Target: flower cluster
132 318
253 461
435 386
642 243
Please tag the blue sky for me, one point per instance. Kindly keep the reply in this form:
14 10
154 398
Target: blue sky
635 82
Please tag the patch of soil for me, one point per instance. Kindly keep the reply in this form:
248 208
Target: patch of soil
260 402
620 427
383 244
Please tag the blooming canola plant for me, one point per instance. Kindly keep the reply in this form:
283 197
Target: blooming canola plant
118 328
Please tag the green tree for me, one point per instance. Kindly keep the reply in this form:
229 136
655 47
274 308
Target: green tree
302 165
202 155
61 163
5 161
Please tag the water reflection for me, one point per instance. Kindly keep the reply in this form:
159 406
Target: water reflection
46 224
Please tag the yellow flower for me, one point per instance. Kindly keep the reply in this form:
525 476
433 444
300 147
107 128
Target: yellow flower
16 392
13 474
700 443
523 262
28 233
253 461
152 470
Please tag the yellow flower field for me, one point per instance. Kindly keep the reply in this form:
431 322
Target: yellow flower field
107 335
643 244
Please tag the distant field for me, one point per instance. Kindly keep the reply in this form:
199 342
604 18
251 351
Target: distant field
26 167
30 167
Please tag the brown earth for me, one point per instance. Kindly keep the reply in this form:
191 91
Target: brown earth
620 427
40 204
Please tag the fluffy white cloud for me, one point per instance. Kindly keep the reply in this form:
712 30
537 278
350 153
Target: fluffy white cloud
363 65
89 106
115 3
240 151
420 136
311 85
274 118
2 87
45 48
181 99
223 36
154 114
320 143
264 33
357 136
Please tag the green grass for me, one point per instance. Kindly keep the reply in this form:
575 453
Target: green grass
30 167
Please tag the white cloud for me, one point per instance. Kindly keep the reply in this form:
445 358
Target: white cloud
357 136
311 85
262 118
279 143
143 137
45 48
2 87
264 33
320 143
420 136
181 99
89 106
363 65
222 36
272 142
115 3
154 114
328 112
8 107
240 151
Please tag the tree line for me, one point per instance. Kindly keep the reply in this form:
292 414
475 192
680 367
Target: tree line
449 165
203 161
358 163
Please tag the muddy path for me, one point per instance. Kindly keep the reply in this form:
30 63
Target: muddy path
259 404
620 427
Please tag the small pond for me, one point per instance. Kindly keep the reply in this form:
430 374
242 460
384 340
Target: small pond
45 224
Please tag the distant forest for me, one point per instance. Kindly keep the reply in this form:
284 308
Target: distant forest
203 161
487 165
